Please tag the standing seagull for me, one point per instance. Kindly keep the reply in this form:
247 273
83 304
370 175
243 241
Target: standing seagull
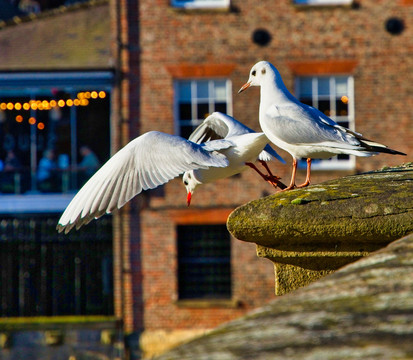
302 130
249 146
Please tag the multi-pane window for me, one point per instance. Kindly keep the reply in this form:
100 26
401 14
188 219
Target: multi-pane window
204 262
333 96
196 99
43 273
200 3
42 135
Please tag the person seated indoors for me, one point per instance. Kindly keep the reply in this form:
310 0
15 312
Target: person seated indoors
46 172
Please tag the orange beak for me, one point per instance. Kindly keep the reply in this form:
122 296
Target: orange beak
244 87
188 198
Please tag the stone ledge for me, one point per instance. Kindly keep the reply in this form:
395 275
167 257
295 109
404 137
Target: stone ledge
311 232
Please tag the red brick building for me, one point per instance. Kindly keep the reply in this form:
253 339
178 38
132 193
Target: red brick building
176 271
180 60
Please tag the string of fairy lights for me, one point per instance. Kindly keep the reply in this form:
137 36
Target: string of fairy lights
82 99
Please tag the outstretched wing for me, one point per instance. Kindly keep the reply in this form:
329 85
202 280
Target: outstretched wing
146 162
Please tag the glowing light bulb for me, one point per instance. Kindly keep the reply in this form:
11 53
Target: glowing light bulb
18 106
69 102
19 118
26 106
3 106
61 103
94 95
344 99
40 126
10 106
102 94
53 103
32 121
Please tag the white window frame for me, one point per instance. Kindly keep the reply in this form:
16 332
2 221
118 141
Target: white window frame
195 121
200 4
333 163
322 2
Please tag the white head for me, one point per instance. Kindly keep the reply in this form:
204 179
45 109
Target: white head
190 184
263 72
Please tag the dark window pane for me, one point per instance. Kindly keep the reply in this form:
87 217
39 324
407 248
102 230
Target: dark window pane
324 107
186 130
341 108
185 111
202 111
222 107
204 266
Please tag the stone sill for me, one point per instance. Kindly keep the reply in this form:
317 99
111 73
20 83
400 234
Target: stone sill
58 322
349 5
208 303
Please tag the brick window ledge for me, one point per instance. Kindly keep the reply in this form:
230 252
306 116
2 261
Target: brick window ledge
323 67
183 71
208 303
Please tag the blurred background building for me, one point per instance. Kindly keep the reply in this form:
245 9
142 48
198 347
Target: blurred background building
96 74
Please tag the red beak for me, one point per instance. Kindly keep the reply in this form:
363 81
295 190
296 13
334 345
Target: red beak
244 87
188 198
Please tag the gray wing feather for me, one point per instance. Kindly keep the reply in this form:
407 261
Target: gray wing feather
218 126
145 163
306 125
222 126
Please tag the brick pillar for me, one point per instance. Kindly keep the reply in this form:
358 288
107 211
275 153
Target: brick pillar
125 126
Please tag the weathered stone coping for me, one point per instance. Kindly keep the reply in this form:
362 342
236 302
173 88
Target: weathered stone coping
363 311
311 232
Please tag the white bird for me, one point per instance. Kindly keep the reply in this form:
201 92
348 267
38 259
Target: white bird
302 130
154 158
148 161
248 147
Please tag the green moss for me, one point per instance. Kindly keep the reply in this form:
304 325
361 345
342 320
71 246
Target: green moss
299 201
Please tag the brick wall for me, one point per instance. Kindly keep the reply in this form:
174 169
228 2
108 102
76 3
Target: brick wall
383 74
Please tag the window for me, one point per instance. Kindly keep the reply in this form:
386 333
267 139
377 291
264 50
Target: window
323 2
194 4
43 273
333 96
45 119
196 99
204 262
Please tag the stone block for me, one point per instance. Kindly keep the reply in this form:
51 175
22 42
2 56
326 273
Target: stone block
311 232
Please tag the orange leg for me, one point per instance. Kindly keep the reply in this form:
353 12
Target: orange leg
273 180
307 178
292 182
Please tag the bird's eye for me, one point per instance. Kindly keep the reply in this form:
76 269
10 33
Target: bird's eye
185 183
253 73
